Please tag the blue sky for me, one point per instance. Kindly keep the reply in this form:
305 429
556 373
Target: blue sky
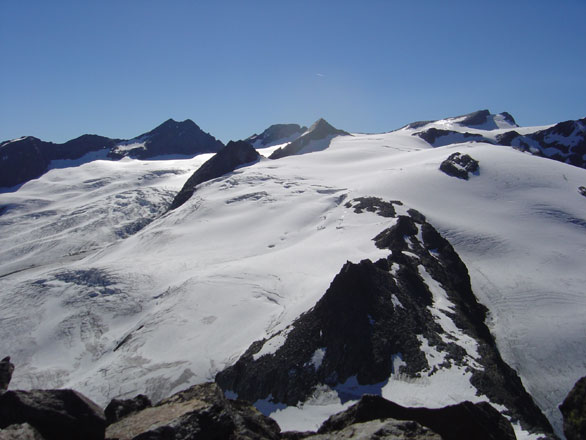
119 68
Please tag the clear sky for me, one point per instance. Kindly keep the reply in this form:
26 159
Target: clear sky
119 68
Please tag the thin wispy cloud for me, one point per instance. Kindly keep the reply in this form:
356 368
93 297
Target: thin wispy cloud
321 75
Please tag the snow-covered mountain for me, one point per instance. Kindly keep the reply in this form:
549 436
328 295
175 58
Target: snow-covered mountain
104 290
27 158
564 142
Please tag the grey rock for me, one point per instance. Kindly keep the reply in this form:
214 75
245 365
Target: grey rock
22 431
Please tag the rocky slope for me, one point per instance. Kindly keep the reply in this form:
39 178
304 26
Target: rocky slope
410 315
234 155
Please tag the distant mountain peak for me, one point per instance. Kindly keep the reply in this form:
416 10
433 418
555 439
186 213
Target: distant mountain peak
319 134
480 119
276 134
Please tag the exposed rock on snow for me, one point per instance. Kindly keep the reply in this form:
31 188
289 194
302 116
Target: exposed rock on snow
573 409
55 414
410 315
459 165
235 154
6 370
463 421
318 137
564 142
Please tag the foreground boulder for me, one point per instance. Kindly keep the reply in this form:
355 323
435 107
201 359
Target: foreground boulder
226 160
201 411
55 414
574 411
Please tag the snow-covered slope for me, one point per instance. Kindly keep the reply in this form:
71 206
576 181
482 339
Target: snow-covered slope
183 297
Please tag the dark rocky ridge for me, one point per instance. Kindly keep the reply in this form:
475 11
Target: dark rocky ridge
464 420
28 158
320 130
375 311
276 134
226 160
172 137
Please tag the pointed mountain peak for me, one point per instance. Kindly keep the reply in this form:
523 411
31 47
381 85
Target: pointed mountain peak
277 134
321 124
172 124
322 128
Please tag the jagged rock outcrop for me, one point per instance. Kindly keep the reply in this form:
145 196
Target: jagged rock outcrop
317 137
564 142
6 370
573 410
55 414
276 134
459 165
201 411
28 158
232 156
374 321
120 408
463 421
